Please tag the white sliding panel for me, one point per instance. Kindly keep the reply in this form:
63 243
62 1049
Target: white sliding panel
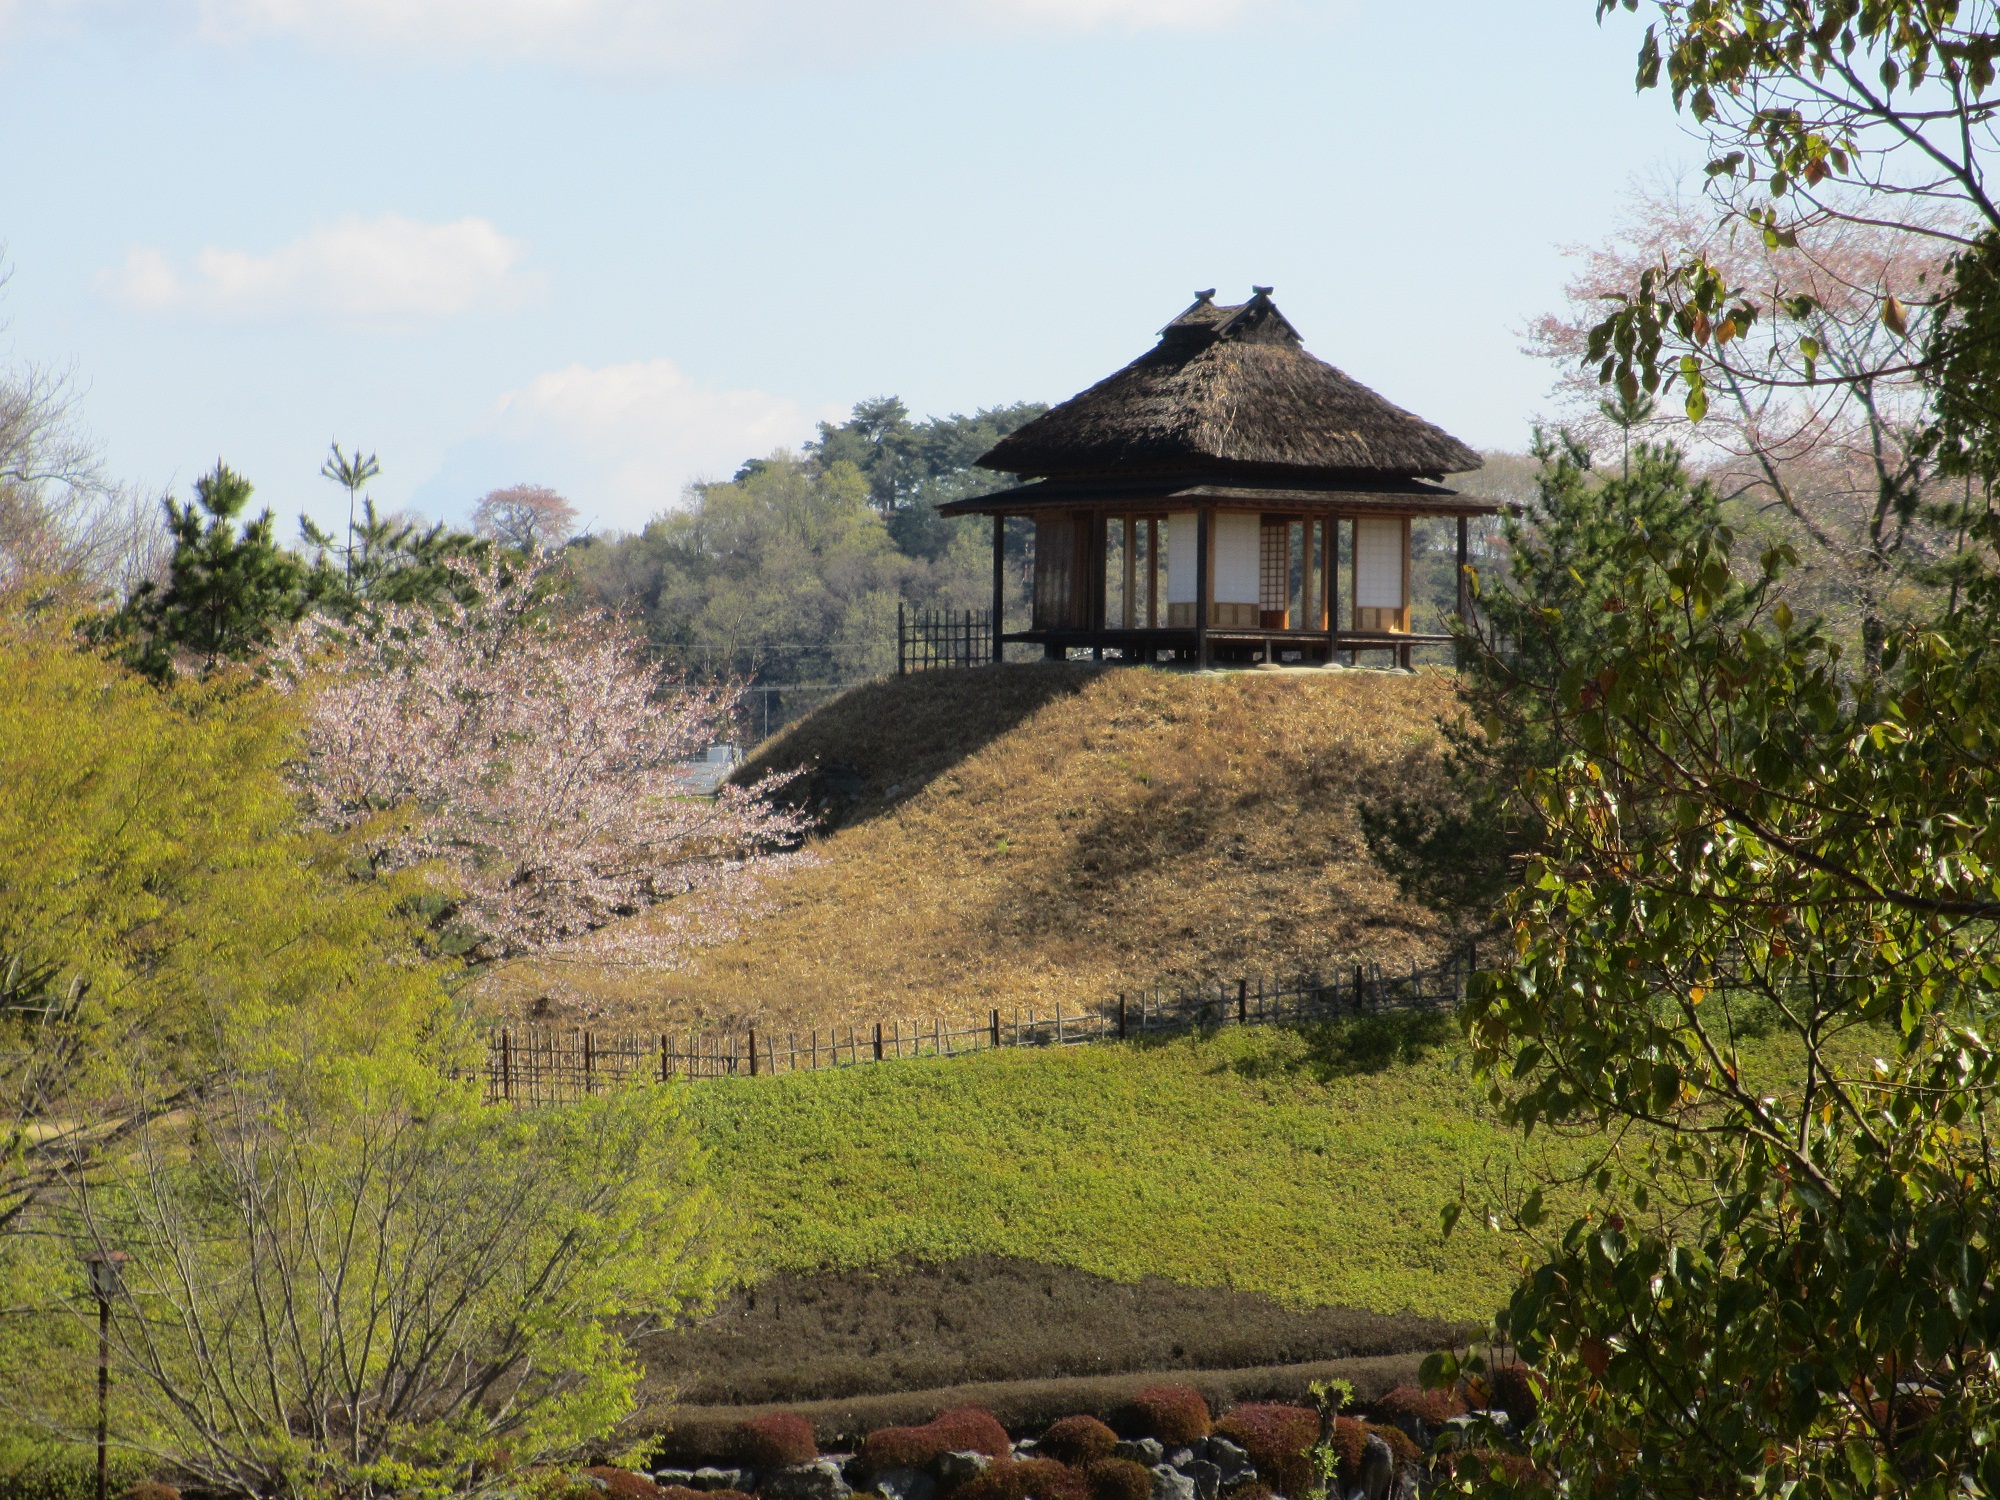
1380 549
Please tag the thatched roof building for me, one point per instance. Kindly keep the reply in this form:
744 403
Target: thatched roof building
1242 472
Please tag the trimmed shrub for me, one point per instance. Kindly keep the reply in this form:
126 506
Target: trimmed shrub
682 1492
1077 1441
1513 1388
1432 1408
775 1442
1246 1489
1175 1414
1400 1443
1029 1479
1276 1438
1347 1440
964 1429
623 1484
1119 1479
150 1489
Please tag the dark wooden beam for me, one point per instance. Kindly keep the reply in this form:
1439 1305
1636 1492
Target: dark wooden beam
1202 589
1464 584
999 583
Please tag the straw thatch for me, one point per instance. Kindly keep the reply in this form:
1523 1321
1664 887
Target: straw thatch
1231 390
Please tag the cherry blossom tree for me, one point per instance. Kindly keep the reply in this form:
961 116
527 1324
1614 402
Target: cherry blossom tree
1812 411
536 759
526 517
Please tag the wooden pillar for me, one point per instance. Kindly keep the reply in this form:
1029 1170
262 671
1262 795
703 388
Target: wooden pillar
999 582
1331 562
1130 605
1464 584
1204 586
1403 652
1152 574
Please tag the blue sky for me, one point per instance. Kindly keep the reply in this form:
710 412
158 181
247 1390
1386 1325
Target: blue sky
611 245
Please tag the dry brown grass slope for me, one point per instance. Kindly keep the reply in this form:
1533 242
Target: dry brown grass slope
1046 834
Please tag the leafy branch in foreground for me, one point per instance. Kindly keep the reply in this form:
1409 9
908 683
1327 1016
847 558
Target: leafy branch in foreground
1757 956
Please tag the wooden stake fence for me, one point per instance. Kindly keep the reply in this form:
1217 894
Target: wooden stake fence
528 1067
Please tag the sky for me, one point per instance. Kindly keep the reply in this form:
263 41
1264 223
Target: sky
615 245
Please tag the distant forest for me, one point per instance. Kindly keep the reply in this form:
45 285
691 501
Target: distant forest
791 571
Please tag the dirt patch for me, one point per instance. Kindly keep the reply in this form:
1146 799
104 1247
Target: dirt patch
983 1319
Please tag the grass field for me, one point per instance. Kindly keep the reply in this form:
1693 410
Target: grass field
1034 835
1307 1165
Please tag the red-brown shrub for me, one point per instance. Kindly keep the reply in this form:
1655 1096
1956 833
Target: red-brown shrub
1401 1444
964 1429
682 1492
623 1484
1348 1440
1026 1479
1515 1389
1246 1489
1077 1441
1175 1414
775 1442
1119 1479
1276 1438
1432 1408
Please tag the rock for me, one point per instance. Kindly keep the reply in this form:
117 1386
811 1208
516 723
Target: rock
1227 1457
905 1484
1378 1470
587 1482
681 1478
1170 1484
960 1468
1145 1451
708 1478
1025 1448
1180 1458
815 1481
1207 1477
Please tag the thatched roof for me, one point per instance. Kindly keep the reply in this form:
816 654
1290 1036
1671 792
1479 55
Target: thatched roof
1230 390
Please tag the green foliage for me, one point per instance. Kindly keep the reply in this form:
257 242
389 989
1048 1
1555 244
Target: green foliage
228 590
388 561
793 569
459 1283
159 909
1459 853
1782 1282
1190 1160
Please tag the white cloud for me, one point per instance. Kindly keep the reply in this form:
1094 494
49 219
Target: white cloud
675 35
389 269
623 440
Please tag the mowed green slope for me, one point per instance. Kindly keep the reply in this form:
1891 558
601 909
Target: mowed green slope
1308 1165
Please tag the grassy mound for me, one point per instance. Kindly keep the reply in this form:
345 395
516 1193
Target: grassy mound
1030 836
1307 1166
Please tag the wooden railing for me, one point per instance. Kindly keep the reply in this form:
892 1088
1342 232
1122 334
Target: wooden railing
537 1066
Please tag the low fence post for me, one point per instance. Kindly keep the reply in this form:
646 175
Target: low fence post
996 1028
1121 1015
902 635
878 1041
1242 1001
506 1067
753 1051
589 1083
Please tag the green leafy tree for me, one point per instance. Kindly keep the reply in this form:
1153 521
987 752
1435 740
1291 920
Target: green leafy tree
160 909
1757 964
1457 846
230 587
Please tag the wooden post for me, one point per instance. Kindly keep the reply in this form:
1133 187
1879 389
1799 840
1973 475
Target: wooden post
1242 1001
1128 604
1332 583
1464 584
996 1028
589 1083
753 1051
878 1041
1121 1015
999 581
506 1067
1203 587
902 658
1152 575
